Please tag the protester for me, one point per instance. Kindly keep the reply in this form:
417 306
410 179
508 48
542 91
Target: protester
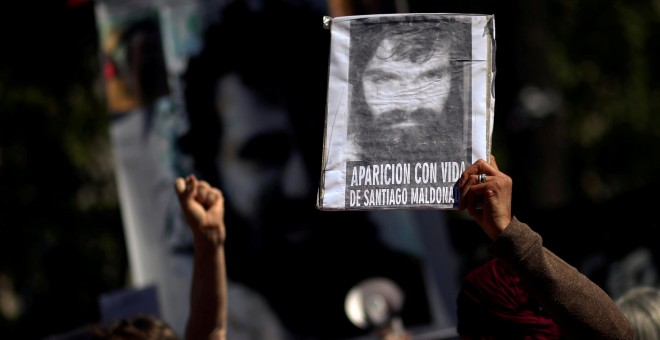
203 208
579 307
641 305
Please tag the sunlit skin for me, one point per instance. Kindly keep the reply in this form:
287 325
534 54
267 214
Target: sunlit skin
400 85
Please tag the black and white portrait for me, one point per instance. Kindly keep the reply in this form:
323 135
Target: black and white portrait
410 88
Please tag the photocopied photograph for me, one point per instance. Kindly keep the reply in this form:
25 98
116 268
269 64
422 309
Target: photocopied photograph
408 99
410 106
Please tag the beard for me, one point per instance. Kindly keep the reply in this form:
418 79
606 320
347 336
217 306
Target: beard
420 134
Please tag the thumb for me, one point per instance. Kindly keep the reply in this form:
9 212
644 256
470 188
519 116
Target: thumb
180 187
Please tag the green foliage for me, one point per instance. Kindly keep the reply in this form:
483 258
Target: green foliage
603 58
61 240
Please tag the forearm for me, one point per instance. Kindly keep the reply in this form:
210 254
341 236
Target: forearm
208 304
579 306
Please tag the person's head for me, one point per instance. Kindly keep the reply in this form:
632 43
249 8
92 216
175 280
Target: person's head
141 327
407 79
254 100
492 304
408 72
641 306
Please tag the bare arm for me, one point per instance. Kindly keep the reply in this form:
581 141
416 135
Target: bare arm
203 207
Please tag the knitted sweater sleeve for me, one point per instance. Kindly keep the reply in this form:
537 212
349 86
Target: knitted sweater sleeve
579 306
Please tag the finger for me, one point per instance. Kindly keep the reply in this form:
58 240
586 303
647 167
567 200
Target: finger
468 182
216 196
211 198
193 208
470 177
180 185
191 186
203 188
185 188
473 192
490 192
478 167
466 175
480 189
215 199
204 184
468 195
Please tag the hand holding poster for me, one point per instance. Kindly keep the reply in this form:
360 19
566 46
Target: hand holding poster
410 105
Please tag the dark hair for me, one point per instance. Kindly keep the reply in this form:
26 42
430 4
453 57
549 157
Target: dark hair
416 39
141 327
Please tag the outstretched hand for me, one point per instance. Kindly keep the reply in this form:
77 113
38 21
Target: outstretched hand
203 207
488 202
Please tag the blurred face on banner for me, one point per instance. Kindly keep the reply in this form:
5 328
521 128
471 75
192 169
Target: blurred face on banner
261 165
265 121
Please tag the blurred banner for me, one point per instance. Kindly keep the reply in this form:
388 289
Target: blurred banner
144 49
245 122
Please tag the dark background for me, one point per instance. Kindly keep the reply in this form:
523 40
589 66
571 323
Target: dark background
576 127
